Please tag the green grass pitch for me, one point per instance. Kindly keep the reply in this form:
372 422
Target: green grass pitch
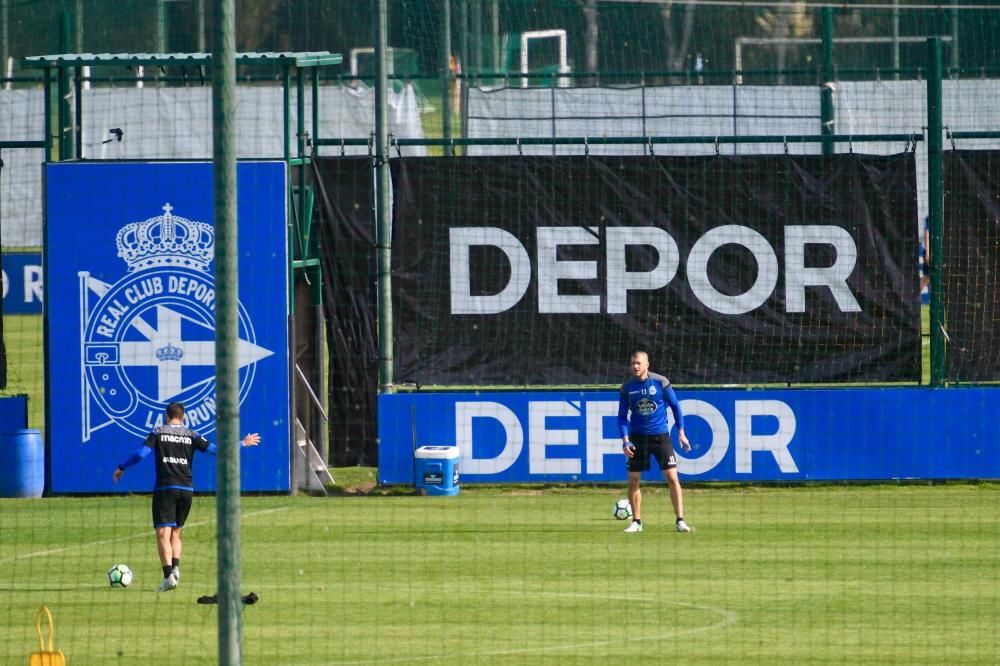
847 574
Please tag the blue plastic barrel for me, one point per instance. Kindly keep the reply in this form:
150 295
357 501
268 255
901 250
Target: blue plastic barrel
22 463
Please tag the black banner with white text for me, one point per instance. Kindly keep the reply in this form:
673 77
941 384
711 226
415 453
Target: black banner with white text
551 270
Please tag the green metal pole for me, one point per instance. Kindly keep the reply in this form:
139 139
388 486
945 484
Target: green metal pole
827 119
463 39
895 38
465 62
200 11
286 87
302 226
382 193
66 46
47 104
77 82
78 26
4 34
317 272
161 26
495 35
954 36
315 108
446 74
935 193
286 99
476 19
300 112
226 330
77 112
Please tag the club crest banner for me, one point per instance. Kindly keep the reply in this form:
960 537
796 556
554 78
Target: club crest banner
130 295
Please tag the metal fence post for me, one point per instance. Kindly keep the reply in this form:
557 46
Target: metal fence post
935 193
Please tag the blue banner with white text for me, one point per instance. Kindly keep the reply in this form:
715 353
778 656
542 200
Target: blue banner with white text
131 326
22 283
765 435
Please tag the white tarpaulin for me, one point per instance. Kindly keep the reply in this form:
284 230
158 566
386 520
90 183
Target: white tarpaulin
862 107
176 123
21 115
165 123
640 112
869 107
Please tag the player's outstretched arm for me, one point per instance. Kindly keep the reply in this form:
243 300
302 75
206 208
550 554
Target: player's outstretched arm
133 459
253 439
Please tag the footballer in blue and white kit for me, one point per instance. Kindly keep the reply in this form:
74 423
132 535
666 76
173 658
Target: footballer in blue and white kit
642 421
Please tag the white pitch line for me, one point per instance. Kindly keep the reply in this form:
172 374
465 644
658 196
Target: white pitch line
102 542
728 617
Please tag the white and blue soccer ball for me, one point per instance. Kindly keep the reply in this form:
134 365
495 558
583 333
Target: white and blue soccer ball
120 575
623 509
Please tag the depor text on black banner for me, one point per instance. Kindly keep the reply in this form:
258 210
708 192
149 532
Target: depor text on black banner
550 270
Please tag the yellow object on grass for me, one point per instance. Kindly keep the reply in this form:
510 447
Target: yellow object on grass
43 657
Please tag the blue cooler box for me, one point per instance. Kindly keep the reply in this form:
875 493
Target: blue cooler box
435 469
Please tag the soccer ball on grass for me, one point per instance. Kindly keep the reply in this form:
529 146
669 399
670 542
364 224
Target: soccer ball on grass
120 575
622 510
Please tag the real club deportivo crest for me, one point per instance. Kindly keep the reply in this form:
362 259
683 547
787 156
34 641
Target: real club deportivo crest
645 407
149 339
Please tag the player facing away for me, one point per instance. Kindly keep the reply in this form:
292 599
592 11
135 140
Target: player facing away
174 445
642 421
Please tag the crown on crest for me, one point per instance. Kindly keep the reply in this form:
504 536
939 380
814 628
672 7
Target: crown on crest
166 240
169 353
